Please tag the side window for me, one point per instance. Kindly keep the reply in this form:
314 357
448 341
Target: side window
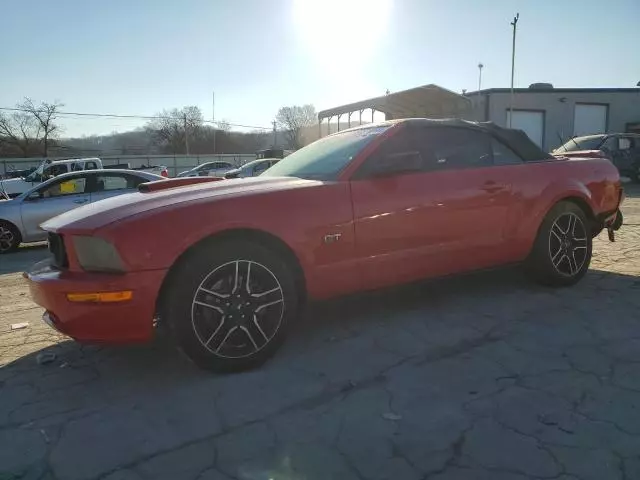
258 169
610 144
114 181
397 155
76 167
503 155
90 166
453 148
624 143
61 188
54 171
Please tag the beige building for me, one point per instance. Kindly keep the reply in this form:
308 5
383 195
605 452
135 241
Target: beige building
550 116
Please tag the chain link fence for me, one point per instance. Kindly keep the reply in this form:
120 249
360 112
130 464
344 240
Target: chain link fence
174 163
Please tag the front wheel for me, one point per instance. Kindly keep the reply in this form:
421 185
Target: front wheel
10 237
230 304
562 250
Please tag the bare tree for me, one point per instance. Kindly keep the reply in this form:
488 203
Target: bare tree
174 128
30 129
44 116
293 120
223 125
18 132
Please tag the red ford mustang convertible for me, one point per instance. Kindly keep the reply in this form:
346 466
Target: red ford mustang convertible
226 264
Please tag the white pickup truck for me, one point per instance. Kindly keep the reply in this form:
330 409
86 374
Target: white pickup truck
15 186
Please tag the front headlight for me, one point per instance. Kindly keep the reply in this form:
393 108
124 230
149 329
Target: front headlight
95 254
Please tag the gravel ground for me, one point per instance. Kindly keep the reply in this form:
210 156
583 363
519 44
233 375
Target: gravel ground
479 377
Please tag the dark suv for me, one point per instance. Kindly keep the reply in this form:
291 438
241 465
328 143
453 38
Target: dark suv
623 149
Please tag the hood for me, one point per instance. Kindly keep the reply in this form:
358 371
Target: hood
99 214
235 171
8 181
11 203
15 185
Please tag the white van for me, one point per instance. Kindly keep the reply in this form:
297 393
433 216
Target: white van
47 169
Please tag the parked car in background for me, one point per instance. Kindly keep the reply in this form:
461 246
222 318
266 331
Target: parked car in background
230 263
623 149
252 169
209 169
272 153
161 170
20 218
48 169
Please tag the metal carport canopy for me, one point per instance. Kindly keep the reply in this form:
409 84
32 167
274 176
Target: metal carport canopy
426 101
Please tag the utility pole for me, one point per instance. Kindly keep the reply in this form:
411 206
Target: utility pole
213 118
275 135
480 66
186 134
514 24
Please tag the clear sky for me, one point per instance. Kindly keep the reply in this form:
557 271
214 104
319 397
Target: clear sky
141 56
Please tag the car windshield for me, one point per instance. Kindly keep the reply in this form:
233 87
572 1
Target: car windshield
325 158
247 166
36 175
581 143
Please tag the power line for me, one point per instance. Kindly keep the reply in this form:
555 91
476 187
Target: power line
142 117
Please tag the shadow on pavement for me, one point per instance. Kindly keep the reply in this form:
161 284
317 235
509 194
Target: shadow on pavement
140 401
429 301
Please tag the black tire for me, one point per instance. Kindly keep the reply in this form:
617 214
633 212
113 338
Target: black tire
10 237
221 322
562 251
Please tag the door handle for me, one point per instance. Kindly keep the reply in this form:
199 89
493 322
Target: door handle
492 187
80 200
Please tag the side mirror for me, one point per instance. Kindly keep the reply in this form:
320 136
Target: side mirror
35 195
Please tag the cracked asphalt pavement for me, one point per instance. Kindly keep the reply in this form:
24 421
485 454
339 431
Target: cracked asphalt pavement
486 376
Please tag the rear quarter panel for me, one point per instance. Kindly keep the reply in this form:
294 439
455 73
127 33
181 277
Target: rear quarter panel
539 186
300 217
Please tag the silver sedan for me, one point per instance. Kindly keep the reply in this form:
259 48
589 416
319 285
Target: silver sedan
21 217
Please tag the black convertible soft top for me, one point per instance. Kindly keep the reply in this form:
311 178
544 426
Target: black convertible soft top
517 140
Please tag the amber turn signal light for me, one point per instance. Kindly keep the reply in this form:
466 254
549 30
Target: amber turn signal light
101 297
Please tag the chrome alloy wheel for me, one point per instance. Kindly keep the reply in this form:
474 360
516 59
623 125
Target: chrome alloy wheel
237 309
568 244
6 239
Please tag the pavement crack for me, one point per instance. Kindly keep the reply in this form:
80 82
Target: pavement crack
455 452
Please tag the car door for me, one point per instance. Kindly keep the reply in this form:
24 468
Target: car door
220 168
50 200
427 203
110 184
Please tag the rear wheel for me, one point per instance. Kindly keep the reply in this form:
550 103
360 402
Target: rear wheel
10 237
230 304
562 250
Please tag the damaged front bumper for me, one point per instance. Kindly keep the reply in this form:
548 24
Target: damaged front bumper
612 222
